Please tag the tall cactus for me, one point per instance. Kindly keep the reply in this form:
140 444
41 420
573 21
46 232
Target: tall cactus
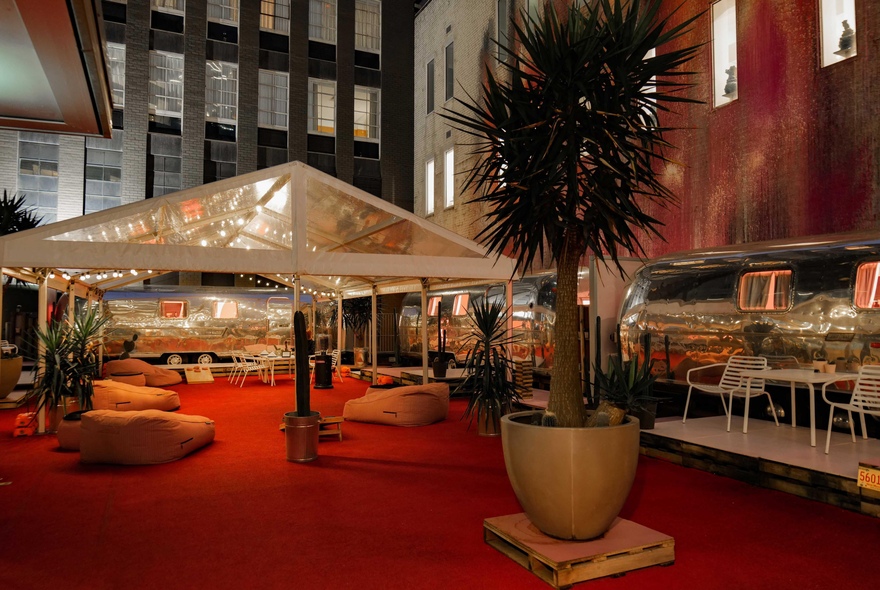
301 350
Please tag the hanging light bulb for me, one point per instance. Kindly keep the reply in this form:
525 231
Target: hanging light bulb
51 275
134 272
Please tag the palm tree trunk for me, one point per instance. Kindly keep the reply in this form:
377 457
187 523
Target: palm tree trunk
566 390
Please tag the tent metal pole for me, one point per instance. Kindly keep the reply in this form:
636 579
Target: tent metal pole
424 326
42 312
373 339
71 304
339 340
296 292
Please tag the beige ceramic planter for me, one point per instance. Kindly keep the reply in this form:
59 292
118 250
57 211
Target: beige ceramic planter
10 371
571 482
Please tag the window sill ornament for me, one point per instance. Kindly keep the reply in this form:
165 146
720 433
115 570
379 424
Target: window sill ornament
730 90
846 45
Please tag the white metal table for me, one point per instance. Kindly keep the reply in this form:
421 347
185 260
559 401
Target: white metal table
793 376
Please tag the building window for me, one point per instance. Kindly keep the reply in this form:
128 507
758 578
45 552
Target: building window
273 99
367 25
502 23
103 172
322 107
221 92
838 24
724 51
166 84
434 306
765 290
429 187
450 71
366 113
460 304
223 10
116 62
176 6
38 172
173 309
429 86
449 178
275 16
164 165
866 294
322 20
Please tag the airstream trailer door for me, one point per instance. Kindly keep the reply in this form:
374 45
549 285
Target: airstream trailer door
279 315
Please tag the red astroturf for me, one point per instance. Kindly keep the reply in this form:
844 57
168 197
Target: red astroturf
387 507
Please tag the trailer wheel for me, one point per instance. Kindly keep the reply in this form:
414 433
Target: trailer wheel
206 359
174 359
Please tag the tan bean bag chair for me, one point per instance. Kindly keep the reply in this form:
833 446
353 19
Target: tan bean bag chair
154 376
113 395
413 405
141 438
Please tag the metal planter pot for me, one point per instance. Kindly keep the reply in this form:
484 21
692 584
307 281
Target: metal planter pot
571 482
301 436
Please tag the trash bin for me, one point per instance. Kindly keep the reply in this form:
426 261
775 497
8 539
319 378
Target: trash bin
323 371
301 436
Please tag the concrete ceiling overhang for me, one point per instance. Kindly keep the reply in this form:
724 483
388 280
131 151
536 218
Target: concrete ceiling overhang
53 72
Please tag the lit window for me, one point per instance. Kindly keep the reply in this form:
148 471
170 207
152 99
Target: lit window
867 290
225 310
221 92
460 304
322 20
103 172
322 107
166 84
429 87
366 113
449 178
116 61
177 6
367 25
724 51
838 23
502 23
38 172
275 16
765 291
223 10
450 70
273 99
433 305
172 309
429 187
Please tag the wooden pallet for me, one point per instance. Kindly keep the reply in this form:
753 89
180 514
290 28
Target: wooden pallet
627 546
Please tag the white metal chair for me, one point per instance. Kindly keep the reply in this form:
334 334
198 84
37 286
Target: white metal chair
732 384
865 400
249 364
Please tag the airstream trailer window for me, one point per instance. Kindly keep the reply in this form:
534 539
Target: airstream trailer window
433 305
225 309
172 309
765 290
867 290
460 304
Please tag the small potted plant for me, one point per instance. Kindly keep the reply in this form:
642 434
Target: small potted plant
626 387
488 369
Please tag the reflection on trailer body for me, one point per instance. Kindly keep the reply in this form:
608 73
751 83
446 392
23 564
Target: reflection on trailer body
534 304
196 324
804 299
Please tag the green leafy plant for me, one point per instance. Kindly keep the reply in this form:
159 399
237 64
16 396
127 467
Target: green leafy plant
68 363
488 369
626 386
570 156
15 215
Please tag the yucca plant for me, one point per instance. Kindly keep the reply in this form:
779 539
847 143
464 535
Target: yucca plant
68 364
488 370
569 153
626 386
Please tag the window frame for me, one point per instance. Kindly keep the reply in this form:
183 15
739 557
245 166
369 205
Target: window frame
274 101
223 92
430 89
159 6
182 314
312 125
155 110
721 76
115 79
372 92
358 36
829 40
764 271
332 31
274 17
449 63
449 178
875 298
429 187
232 6
221 303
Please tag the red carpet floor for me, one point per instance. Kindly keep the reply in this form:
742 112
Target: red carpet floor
385 508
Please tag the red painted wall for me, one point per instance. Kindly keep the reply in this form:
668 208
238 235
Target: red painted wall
797 153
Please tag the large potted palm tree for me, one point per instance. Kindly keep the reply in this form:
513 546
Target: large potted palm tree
570 159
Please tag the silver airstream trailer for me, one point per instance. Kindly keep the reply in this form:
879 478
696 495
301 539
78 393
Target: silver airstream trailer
793 300
177 325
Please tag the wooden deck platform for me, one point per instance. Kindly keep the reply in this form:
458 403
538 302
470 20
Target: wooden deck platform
627 546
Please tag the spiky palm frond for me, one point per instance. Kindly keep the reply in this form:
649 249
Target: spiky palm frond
16 215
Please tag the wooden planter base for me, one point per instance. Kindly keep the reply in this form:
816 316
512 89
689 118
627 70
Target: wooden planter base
626 546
